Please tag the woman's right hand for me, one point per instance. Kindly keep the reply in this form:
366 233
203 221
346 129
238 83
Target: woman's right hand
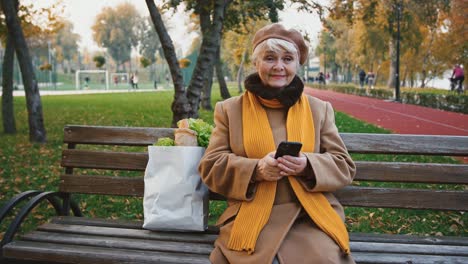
267 169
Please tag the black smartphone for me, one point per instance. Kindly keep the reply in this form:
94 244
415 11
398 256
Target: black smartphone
290 148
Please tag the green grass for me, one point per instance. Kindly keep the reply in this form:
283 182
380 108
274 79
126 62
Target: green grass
25 166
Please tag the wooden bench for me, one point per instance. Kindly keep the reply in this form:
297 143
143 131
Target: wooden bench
75 239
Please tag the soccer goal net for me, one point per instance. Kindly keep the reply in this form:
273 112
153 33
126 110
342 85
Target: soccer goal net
92 79
120 79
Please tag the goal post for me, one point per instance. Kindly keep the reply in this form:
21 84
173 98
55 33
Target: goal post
78 82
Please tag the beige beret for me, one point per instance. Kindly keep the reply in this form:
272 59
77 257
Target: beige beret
278 31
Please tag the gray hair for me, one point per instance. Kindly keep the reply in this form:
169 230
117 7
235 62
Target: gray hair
275 45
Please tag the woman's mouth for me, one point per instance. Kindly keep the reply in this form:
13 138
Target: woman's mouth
278 76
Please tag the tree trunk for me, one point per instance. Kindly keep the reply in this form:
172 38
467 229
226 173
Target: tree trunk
180 106
240 72
334 71
219 74
206 91
423 78
426 57
392 70
37 132
8 114
211 31
404 76
377 73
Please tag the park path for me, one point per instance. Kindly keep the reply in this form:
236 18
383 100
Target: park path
397 117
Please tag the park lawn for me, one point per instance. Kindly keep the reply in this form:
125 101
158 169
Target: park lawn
25 166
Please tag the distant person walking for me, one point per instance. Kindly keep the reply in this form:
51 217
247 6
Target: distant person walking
321 78
458 77
86 79
370 79
135 81
362 78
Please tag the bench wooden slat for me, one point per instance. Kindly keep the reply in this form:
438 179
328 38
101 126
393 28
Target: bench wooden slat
409 239
118 242
382 258
402 248
412 172
406 144
91 184
90 255
355 142
117 223
76 158
403 198
107 135
121 232
368 171
73 224
350 196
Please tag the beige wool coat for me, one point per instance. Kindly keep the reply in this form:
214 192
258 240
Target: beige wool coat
289 234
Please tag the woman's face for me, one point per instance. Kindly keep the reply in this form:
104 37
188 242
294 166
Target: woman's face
276 69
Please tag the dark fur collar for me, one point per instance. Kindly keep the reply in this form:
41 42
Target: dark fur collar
287 96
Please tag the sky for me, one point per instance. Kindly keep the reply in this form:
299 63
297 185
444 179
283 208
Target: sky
83 12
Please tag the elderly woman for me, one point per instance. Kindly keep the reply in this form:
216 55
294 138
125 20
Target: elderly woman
279 210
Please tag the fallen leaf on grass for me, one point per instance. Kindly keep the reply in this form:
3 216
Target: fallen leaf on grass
453 228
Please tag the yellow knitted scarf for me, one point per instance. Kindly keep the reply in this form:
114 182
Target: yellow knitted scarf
258 141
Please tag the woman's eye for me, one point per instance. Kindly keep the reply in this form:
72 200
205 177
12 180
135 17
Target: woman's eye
288 59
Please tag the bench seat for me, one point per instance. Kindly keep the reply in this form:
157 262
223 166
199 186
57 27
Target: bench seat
69 239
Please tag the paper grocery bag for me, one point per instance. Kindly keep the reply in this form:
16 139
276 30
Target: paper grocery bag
175 197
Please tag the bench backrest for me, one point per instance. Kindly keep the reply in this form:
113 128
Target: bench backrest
111 149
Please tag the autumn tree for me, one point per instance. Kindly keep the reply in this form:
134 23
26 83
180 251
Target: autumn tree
149 45
99 61
8 114
180 106
237 46
424 27
327 50
116 30
344 46
66 44
37 132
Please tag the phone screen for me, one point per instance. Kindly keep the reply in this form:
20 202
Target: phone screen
290 148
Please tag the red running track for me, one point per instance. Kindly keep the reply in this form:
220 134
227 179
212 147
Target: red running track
397 117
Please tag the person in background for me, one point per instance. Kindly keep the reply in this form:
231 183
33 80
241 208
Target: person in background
321 78
280 210
362 78
458 77
86 79
370 80
135 81
130 80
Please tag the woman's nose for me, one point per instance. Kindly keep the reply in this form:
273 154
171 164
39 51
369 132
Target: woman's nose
278 65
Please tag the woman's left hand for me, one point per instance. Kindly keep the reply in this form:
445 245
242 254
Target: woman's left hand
292 166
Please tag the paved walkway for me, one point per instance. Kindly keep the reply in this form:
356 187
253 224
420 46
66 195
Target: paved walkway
399 118
67 92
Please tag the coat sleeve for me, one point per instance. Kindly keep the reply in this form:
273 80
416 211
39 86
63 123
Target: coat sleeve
332 168
223 171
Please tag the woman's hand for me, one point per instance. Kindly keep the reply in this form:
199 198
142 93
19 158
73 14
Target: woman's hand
267 169
292 166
